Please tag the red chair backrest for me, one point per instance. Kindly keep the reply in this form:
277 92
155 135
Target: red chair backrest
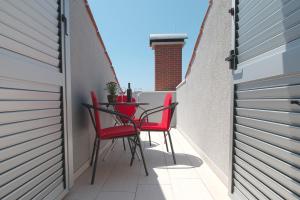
166 115
96 113
125 109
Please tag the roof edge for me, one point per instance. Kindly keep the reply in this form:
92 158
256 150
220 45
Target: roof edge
210 3
89 11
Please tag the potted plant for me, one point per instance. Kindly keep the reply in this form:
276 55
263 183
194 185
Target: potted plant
112 88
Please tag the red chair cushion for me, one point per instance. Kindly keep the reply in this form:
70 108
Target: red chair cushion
152 126
164 125
117 131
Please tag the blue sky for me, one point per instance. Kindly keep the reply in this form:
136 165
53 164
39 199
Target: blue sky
125 26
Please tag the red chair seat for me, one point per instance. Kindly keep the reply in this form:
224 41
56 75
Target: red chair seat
152 126
117 131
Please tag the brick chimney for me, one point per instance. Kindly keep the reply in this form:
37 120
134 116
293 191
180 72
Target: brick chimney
168 60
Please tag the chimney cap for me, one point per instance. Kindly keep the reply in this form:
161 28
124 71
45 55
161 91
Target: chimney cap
175 37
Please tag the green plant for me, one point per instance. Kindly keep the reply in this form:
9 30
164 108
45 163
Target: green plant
112 88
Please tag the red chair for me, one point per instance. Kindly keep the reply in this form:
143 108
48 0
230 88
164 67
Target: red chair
164 125
122 131
128 110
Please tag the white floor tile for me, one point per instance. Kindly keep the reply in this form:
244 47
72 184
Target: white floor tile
157 192
191 189
116 196
190 179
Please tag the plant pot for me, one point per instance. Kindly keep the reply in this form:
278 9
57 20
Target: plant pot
111 98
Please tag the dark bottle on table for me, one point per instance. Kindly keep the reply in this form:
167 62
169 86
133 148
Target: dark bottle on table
129 93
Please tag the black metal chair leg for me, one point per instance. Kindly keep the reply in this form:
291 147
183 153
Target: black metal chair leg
149 138
124 144
166 141
131 148
171 144
93 154
95 162
134 150
142 154
129 144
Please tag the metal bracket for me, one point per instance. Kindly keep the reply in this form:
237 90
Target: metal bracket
295 102
65 21
232 60
231 11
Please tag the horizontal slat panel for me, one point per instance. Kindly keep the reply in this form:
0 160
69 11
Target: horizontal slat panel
251 188
14 173
287 156
274 185
238 194
51 8
246 6
271 172
261 186
292 91
44 10
14 94
245 191
25 85
9 106
35 15
254 7
288 36
27 30
280 81
29 155
28 135
279 165
19 36
269 104
31 120
13 117
53 4
55 193
14 128
283 142
49 189
25 188
273 14
6 7
48 167
279 129
21 148
292 118
242 4
43 73
22 49
51 182
278 28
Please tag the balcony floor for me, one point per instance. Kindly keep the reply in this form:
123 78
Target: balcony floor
190 179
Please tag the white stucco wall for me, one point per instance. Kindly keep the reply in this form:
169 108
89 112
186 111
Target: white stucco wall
90 70
205 98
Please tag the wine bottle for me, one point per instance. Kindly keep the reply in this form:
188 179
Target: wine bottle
129 93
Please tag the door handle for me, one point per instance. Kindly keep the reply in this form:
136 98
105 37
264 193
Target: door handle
295 102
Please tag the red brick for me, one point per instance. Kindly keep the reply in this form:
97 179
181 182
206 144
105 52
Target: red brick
168 66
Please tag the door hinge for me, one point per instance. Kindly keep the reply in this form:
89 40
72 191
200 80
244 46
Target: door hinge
65 22
231 11
232 60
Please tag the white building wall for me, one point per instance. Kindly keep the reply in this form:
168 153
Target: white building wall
90 70
205 98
